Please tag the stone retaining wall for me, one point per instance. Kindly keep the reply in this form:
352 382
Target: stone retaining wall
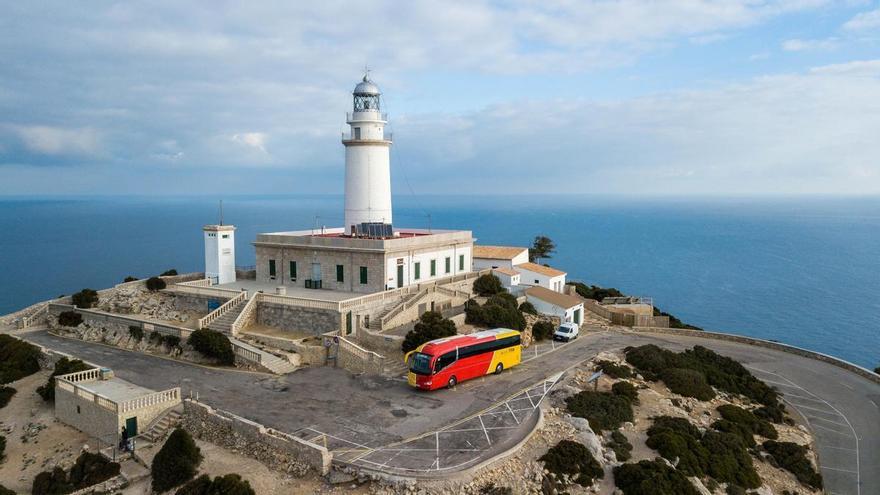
770 345
273 448
314 321
385 344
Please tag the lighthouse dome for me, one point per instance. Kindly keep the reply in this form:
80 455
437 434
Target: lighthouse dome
366 87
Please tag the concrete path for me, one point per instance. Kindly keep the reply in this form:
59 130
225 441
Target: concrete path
374 412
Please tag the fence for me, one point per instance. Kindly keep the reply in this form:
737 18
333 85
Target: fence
170 395
246 313
204 291
246 354
390 295
204 282
357 359
222 310
38 313
301 302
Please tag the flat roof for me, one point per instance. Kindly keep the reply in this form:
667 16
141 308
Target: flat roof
115 389
269 288
335 239
498 252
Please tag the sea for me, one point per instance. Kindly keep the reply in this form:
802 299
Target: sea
800 270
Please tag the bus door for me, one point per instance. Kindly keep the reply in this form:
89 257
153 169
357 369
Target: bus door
443 369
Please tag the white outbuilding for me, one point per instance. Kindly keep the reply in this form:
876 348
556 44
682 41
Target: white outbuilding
508 276
567 308
537 275
499 256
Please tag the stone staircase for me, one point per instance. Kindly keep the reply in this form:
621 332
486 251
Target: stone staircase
376 322
271 362
160 427
395 367
223 324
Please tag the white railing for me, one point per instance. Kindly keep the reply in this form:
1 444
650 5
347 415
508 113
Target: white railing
299 301
170 395
245 315
81 376
359 351
204 282
222 310
246 354
204 291
403 291
40 312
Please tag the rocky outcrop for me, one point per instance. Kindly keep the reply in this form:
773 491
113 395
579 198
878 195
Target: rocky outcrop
137 300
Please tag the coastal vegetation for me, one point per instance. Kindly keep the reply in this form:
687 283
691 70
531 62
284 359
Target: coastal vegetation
529 308
6 491
500 310
542 247
208 342
604 410
431 325
62 367
129 279
18 359
169 273
136 332
541 330
599 293
621 447
574 460
488 285
230 484
155 283
6 394
69 319
613 369
2 447
176 462
652 478
626 389
792 457
86 298
744 424
89 469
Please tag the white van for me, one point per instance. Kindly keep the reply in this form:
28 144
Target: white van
566 332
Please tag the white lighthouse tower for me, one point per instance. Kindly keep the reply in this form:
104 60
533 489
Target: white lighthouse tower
367 161
220 253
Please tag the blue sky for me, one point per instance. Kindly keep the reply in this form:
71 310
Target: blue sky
681 97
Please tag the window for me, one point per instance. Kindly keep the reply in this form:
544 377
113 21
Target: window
433 268
444 361
461 262
272 269
364 275
491 346
448 264
340 273
226 236
357 132
293 271
418 271
77 410
537 282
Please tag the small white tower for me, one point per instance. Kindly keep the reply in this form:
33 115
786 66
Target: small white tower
220 253
367 160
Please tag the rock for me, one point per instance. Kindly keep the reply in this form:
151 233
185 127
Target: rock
699 486
588 437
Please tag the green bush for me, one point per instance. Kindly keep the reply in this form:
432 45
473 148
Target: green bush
620 445
594 291
651 478
773 414
877 370
675 322
62 367
743 423
129 279
69 319
689 383
155 283
614 370
527 307
431 325
168 273
89 469
723 456
86 298
51 483
176 461
488 285
18 359
6 394
573 459
736 490
230 484
212 344
541 330
603 410
500 310
491 489
173 341
793 458
136 332
626 389
6 491
2 447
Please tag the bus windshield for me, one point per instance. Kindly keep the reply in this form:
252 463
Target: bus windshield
420 364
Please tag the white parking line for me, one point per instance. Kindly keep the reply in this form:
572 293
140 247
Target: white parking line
842 433
484 430
511 412
838 469
816 418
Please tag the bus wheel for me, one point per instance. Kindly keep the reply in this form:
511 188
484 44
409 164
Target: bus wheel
451 383
499 369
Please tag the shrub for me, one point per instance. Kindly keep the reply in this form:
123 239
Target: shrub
173 341
6 394
651 478
6 491
792 457
527 307
18 359
620 445
91 469
736 490
62 367
168 273
877 370
51 482
626 389
573 459
542 330
155 283
2 447
129 279
743 423
176 461
499 311
689 383
85 298
729 461
213 345
774 413
230 484
603 410
488 285
594 291
136 332
491 489
614 370
431 325
69 319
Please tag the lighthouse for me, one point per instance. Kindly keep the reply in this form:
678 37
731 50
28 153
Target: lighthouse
367 161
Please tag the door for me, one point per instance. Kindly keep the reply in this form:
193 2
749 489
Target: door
316 271
131 427
399 276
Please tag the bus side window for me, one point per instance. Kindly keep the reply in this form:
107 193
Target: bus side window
444 361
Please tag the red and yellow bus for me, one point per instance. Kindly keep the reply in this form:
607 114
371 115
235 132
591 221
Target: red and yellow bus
447 361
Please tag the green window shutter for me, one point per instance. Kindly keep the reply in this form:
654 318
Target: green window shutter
271 268
364 275
293 270
418 269
433 268
340 273
461 262
448 264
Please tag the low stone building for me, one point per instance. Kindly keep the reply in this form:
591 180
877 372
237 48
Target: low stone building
567 308
99 404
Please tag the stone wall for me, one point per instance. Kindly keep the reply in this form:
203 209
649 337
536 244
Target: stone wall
388 345
310 355
358 360
195 302
273 448
328 259
874 377
313 321
86 416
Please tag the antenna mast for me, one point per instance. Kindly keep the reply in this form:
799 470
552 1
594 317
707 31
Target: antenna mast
221 212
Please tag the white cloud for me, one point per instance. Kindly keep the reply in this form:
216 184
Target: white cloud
799 45
57 141
256 140
864 21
